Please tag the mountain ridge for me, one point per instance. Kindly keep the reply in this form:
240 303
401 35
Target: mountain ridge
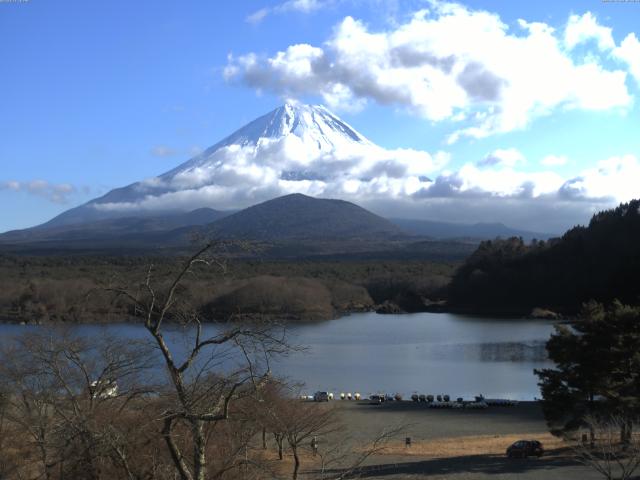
481 231
298 216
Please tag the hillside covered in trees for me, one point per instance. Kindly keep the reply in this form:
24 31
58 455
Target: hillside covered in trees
600 262
73 289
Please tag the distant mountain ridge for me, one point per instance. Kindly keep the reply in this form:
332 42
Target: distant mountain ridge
114 227
478 231
294 217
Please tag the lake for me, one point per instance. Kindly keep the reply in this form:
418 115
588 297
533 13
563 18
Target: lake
435 353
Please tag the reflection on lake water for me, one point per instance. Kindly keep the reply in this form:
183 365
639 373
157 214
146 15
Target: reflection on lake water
424 352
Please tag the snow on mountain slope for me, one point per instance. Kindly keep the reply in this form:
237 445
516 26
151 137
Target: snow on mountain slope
316 127
295 148
313 124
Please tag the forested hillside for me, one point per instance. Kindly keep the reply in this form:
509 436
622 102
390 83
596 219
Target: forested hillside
74 288
600 261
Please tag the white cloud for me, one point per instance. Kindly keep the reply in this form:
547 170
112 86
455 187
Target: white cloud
56 193
629 52
401 182
237 176
612 180
300 6
257 16
616 177
304 6
509 157
163 151
445 64
582 28
554 160
10 185
504 182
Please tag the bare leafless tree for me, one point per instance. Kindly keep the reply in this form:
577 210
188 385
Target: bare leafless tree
303 424
341 459
5 433
606 452
65 394
202 385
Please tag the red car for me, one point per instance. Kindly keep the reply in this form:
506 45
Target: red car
525 448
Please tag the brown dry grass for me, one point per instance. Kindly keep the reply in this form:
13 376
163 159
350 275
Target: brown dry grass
470 445
283 468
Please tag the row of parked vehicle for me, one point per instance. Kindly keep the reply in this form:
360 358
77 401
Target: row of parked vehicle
326 396
322 396
433 401
430 398
377 398
444 401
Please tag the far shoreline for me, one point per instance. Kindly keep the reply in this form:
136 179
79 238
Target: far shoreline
255 319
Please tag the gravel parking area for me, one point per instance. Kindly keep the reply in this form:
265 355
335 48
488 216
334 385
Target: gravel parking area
431 429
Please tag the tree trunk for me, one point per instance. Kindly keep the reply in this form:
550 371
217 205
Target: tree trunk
279 441
45 460
176 455
623 432
264 438
626 430
199 450
296 464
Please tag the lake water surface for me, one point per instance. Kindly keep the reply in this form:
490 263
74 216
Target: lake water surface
424 352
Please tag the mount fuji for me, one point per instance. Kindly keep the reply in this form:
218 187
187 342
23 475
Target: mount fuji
294 148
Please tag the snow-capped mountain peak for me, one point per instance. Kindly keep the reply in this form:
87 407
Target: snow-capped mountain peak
309 122
295 148
319 130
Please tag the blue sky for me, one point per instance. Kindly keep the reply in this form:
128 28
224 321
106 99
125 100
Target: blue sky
97 95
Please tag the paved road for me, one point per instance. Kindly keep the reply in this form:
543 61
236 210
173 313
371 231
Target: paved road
481 467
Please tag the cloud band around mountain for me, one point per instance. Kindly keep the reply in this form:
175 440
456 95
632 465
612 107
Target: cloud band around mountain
400 182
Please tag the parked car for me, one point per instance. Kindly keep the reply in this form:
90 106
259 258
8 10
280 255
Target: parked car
321 396
103 388
376 399
525 448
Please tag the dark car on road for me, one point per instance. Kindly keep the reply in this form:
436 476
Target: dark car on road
525 448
